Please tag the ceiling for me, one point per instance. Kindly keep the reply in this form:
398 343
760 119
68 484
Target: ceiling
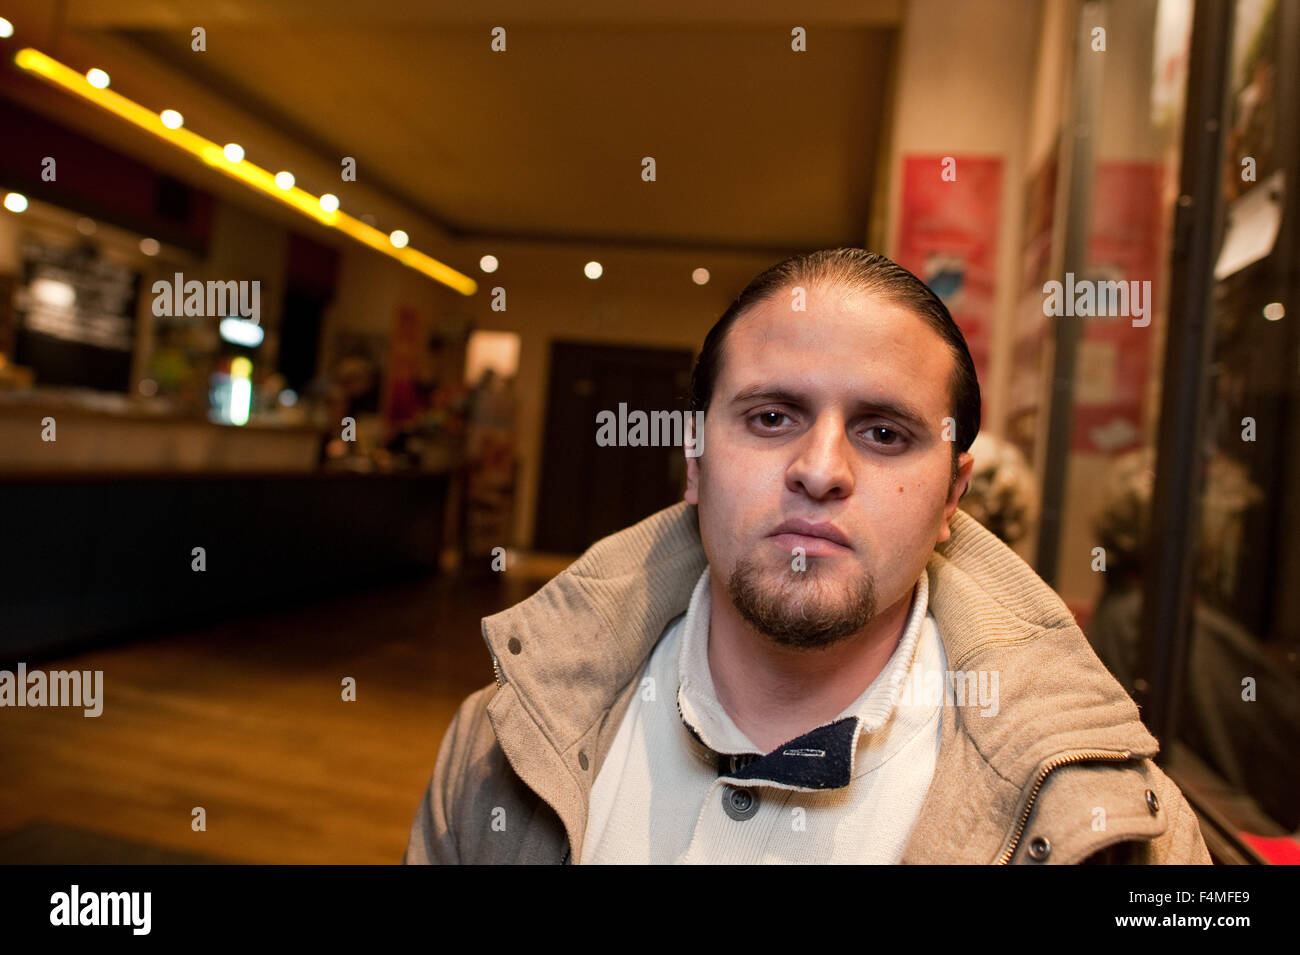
756 147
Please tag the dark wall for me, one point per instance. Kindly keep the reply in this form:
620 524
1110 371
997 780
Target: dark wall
93 559
96 181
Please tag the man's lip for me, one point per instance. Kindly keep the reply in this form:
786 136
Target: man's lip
808 529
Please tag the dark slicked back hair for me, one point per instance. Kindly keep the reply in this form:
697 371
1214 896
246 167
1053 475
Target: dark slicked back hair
852 270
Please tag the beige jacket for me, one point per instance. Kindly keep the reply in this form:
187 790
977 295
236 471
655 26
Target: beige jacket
1061 774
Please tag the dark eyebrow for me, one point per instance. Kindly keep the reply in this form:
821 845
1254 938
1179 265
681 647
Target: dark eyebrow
893 409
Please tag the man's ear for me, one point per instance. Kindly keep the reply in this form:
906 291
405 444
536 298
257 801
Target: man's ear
965 464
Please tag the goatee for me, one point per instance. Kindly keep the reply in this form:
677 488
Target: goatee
805 609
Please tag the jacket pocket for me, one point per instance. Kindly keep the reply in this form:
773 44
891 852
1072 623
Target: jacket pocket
1090 808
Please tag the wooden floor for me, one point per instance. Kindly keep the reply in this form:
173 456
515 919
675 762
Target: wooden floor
246 720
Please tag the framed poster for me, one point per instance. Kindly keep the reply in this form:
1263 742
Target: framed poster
948 237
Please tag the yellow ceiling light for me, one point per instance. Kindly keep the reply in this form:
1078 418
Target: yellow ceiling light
51 70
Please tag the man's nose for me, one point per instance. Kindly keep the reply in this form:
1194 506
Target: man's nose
822 466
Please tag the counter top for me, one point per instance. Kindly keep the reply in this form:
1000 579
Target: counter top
121 407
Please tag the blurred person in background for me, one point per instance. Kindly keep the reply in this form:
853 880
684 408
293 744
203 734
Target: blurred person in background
1002 494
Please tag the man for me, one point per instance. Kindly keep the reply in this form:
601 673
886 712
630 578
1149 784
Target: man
816 657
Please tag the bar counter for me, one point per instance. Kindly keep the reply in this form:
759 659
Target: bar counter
94 557
112 433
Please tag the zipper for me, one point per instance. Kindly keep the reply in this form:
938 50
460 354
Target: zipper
1056 762
497 675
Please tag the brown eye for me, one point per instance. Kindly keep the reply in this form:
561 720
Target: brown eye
894 436
766 418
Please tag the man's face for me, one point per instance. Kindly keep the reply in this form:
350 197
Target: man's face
831 416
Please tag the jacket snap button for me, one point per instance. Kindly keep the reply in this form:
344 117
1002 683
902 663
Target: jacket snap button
1152 802
582 760
739 804
1039 848
514 645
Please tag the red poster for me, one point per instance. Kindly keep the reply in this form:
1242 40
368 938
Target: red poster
948 236
1124 245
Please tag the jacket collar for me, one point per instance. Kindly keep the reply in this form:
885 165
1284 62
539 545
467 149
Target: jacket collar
569 653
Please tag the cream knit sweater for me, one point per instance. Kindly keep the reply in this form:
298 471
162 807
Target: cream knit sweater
659 798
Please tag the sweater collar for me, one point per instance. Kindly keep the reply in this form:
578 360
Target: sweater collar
825 756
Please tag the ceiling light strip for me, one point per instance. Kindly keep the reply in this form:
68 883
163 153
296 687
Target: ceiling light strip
51 70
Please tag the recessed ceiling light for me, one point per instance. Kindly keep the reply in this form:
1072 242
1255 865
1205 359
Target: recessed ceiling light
171 119
700 276
234 152
488 263
149 246
97 78
16 202
593 270
284 180
329 202
399 238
